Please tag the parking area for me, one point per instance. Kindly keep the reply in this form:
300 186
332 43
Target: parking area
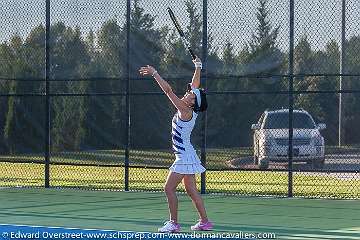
333 162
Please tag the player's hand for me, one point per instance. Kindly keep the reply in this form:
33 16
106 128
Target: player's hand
197 63
196 60
147 70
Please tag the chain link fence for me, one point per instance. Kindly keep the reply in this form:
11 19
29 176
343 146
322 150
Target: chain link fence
282 80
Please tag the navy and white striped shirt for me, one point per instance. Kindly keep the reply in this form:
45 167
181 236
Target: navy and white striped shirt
181 145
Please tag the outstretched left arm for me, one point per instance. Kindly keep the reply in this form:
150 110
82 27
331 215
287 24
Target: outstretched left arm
165 86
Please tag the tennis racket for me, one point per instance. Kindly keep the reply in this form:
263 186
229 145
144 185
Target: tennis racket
181 33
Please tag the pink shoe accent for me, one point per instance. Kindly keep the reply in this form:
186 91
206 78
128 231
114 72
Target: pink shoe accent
202 226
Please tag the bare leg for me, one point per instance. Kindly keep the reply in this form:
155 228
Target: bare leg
190 187
172 182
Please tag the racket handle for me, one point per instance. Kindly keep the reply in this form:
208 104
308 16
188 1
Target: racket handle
192 53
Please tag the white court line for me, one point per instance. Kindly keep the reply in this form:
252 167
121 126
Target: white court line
86 229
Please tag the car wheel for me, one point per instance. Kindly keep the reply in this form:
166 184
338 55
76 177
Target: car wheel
263 164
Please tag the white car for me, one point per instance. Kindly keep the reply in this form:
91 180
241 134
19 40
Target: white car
271 138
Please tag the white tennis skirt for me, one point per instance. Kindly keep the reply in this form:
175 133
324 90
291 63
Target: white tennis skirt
187 168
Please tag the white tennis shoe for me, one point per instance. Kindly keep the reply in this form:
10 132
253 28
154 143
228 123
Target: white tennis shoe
170 227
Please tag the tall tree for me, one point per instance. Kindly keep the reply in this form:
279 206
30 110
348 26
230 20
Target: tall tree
223 121
265 57
23 129
261 56
352 101
145 40
146 47
111 42
69 62
302 61
107 61
6 58
323 107
229 59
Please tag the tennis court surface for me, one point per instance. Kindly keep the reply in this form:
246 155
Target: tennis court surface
146 211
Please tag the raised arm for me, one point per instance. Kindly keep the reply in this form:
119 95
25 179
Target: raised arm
195 83
166 88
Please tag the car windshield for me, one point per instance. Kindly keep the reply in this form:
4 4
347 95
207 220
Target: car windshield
281 120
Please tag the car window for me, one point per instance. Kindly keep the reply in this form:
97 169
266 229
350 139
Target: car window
281 120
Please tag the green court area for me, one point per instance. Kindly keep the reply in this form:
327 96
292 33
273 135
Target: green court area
288 218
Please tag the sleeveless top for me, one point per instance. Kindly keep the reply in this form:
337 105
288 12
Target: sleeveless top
181 145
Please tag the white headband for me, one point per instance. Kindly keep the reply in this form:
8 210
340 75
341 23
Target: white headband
196 91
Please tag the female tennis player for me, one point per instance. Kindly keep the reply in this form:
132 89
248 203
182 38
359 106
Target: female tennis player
186 163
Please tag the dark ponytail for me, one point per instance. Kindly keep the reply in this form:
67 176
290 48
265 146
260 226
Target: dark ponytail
204 104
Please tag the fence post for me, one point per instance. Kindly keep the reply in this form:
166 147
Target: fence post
342 71
127 72
204 83
47 97
291 99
